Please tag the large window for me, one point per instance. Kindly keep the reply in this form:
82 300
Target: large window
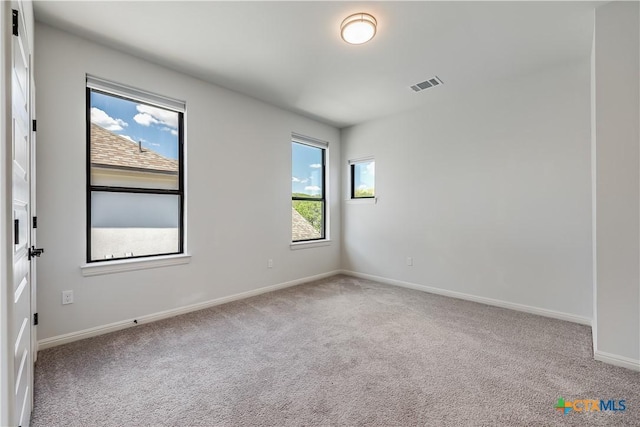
308 213
135 185
363 174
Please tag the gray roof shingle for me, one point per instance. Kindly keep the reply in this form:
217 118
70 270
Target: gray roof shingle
301 228
117 152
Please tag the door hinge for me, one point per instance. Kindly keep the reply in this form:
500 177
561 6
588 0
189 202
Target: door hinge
15 22
35 222
35 319
34 125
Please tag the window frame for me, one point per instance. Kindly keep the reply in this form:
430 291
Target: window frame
352 183
324 147
116 90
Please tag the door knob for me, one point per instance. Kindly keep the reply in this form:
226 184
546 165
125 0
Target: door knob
33 252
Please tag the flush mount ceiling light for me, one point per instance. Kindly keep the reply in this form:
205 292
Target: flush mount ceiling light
358 28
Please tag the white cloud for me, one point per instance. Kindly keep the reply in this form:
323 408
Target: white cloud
168 129
371 168
128 137
313 188
104 120
316 165
304 181
363 187
159 115
145 119
294 179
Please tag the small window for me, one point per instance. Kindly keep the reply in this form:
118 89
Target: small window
308 193
135 185
363 173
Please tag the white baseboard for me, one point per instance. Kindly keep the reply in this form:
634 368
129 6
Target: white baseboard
489 301
614 359
602 356
116 326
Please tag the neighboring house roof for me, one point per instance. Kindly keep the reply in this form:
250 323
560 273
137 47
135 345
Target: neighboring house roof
117 152
302 229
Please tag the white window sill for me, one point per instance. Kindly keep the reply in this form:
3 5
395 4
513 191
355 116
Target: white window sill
363 201
308 245
121 265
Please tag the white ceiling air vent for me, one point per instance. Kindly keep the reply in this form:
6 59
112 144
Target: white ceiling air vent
432 82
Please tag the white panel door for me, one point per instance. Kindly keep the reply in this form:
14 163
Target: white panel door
20 326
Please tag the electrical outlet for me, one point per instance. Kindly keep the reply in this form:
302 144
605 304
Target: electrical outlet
409 261
67 297
270 263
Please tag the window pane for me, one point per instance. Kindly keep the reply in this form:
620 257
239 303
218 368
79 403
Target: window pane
132 224
307 179
133 144
307 220
364 179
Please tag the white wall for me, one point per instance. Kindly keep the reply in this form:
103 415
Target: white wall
617 186
238 192
489 193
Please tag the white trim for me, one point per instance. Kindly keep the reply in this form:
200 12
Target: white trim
468 297
116 326
363 201
6 355
307 140
594 199
307 245
361 160
614 359
118 266
129 92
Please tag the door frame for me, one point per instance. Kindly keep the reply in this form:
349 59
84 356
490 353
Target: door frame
6 362
7 404
34 213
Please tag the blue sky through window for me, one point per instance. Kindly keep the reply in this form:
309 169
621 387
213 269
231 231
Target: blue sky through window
306 170
155 127
364 175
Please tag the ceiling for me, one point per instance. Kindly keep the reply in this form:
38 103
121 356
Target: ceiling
290 54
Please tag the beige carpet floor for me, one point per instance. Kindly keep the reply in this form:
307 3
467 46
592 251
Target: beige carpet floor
341 351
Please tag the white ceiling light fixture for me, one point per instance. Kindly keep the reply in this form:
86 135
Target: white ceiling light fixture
358 28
